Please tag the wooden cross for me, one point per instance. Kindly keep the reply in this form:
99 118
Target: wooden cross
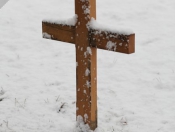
86 41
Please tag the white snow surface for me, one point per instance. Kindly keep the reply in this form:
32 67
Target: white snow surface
64 21
136 92
93 24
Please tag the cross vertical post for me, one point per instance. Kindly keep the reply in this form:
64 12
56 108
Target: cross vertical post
86 70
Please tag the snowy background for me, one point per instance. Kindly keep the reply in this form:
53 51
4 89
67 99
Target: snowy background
136 93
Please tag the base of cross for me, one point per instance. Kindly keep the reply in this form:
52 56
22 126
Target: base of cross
105 40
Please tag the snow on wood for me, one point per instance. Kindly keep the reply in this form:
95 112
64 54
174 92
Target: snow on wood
70 21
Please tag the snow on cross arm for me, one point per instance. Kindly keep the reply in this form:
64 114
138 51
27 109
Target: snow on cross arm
69 22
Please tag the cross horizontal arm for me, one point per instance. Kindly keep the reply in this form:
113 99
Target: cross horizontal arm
107 40
101 39
58 32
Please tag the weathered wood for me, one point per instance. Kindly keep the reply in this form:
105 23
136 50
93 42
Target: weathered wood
112 41
86 64
59 32
100 40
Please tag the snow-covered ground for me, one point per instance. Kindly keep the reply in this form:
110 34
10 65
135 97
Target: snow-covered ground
136 93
